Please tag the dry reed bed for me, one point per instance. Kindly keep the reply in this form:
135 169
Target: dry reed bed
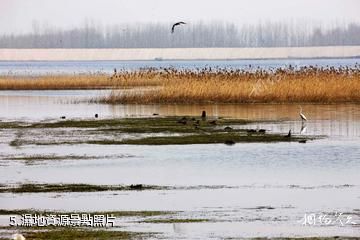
209 85
143 77
307 84
61 82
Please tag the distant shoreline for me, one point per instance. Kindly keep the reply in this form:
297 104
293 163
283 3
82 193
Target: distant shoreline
162 54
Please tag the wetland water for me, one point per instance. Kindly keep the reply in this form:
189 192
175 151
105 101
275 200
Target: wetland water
244 190
86 67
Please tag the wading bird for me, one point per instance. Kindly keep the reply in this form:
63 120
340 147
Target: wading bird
289 134
303 118
176 24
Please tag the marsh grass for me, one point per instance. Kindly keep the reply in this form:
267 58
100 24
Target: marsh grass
150 131
209 85
307 84
146 131
125 79
56 82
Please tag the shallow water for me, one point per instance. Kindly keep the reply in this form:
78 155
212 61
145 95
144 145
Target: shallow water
93 67
228 185
223 184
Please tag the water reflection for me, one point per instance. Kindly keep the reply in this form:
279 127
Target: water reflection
292 178
332 120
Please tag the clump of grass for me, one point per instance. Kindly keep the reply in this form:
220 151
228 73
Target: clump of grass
307 84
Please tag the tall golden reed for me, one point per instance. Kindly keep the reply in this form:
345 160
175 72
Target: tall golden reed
60 82
172 86
237 86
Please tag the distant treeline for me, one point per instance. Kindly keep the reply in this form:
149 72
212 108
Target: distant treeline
196 35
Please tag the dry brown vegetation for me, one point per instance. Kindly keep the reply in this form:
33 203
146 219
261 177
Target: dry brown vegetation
61 82
307 84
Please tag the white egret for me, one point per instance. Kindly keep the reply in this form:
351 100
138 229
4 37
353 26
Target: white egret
303 118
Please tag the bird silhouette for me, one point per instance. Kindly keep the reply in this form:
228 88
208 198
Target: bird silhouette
176 24
289 134
262 130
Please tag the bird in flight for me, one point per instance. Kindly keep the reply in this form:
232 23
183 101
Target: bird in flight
176 24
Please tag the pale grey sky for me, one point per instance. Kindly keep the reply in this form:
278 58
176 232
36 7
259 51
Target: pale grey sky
18 15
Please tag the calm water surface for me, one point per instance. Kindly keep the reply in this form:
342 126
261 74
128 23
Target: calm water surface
227 185
71 67
321 176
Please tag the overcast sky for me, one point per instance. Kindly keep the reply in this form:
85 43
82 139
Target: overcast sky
18 15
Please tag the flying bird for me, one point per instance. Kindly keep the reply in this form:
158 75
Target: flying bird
176 24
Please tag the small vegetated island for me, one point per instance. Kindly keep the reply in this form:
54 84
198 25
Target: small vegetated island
156 130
